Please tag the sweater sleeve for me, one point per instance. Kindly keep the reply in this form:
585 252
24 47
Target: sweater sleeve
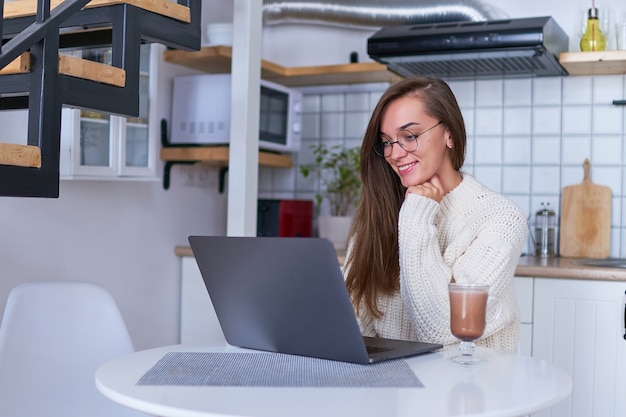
482 246
423 274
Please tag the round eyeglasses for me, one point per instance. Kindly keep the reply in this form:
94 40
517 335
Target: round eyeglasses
405 138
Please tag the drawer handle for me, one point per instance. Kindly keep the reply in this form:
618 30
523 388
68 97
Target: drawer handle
624 315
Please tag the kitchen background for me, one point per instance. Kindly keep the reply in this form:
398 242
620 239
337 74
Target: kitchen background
528 138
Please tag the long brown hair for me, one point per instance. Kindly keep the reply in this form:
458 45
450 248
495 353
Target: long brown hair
373 266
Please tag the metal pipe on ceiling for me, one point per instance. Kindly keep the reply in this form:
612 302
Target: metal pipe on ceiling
374 13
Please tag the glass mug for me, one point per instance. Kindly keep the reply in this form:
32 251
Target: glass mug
468 317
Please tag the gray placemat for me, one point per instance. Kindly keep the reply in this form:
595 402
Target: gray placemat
243 369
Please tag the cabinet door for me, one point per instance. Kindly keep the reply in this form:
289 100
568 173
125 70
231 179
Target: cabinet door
94 144
138 135
110 146
579 327
524 296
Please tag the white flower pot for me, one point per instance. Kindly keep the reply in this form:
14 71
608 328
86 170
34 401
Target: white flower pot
335 229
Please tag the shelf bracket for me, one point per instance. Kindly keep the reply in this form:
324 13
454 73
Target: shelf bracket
167 169
223 172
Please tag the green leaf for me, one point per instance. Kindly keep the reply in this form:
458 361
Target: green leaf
338 170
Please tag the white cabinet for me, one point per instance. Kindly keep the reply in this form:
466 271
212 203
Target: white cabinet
96 145
198 322
579 327
524 296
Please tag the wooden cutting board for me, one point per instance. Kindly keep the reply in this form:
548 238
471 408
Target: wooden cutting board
585 230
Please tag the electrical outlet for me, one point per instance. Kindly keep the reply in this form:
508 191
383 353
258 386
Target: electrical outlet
198 175
187 175
203 176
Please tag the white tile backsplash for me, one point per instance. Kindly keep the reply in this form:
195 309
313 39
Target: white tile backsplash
607 119
546 150
488 150
527 138
488 121
464 92
517 150
518 92
616 212
332 125
469 115
576 119
356 123
283 179
357 101
489 93
622 214
333 102
575 149
607 88
606 150
547 120
547 91
572 175
310 125
469 151
490 176
608 176
517 120
516 180
545 180
577 90
311 103
374 97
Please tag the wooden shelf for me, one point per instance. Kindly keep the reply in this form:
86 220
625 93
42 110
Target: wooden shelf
218 155
217 60
594 63
214 155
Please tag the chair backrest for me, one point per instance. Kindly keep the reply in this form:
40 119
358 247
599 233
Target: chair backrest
53 337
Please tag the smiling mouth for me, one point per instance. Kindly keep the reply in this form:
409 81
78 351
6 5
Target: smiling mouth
406 167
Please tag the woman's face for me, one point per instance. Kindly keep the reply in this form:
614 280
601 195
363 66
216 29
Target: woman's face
431 156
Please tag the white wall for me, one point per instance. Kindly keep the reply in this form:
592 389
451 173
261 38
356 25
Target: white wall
122 235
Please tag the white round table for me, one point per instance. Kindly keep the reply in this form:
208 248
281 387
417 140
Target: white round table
505 385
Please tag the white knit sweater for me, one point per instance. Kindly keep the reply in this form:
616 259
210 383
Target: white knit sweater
474 235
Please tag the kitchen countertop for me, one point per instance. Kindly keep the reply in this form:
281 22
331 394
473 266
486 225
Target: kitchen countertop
533 266
557 267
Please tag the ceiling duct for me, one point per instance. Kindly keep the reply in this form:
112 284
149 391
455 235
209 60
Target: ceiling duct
500 48
376 13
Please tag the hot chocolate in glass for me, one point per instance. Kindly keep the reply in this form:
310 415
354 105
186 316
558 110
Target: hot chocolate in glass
468 317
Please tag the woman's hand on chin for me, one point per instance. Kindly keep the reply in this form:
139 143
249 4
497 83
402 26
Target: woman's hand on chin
432 189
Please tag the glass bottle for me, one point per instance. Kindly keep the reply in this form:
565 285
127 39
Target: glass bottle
544 231
593 39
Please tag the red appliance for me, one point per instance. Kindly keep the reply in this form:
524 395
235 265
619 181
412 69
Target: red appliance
285 218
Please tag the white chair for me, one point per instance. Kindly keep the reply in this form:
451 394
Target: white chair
53 337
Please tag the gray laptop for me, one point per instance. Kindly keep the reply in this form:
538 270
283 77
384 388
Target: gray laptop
288 295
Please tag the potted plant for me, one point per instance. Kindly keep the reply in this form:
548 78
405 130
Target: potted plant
338 171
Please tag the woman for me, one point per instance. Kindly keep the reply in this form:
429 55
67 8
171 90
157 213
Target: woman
422 223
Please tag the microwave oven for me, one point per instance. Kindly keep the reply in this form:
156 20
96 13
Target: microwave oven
201 113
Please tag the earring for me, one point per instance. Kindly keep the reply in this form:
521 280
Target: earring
449 145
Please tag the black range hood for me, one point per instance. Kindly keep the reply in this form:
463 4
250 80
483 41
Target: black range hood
499 48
